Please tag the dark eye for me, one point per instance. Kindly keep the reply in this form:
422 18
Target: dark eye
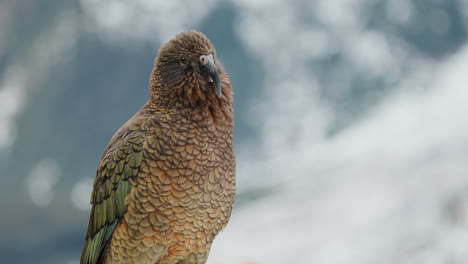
183 60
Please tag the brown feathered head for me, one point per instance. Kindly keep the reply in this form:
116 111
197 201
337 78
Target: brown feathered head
187 69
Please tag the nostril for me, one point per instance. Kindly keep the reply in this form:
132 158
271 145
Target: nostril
203 59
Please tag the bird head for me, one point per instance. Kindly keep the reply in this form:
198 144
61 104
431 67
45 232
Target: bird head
187 67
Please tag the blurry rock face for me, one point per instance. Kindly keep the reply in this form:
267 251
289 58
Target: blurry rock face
357 111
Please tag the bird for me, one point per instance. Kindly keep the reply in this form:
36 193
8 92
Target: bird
165 184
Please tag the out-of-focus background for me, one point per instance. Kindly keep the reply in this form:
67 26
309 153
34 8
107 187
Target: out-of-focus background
351 123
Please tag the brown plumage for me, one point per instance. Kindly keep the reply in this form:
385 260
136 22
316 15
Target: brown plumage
166 182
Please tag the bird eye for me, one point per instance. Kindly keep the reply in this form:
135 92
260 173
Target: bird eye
183 60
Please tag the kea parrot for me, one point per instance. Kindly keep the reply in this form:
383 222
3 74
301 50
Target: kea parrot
165 184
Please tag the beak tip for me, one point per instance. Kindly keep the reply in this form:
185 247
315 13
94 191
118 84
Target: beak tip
218 90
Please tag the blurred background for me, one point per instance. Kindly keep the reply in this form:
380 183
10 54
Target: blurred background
351 122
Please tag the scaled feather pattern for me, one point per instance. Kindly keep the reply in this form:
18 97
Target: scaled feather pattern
165 184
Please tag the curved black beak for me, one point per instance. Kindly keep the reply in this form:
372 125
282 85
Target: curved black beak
210 67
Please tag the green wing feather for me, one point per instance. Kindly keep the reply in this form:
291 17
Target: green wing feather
120 162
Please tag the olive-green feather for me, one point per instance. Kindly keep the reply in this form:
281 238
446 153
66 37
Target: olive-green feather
119 163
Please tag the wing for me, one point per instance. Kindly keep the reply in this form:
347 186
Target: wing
120 162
